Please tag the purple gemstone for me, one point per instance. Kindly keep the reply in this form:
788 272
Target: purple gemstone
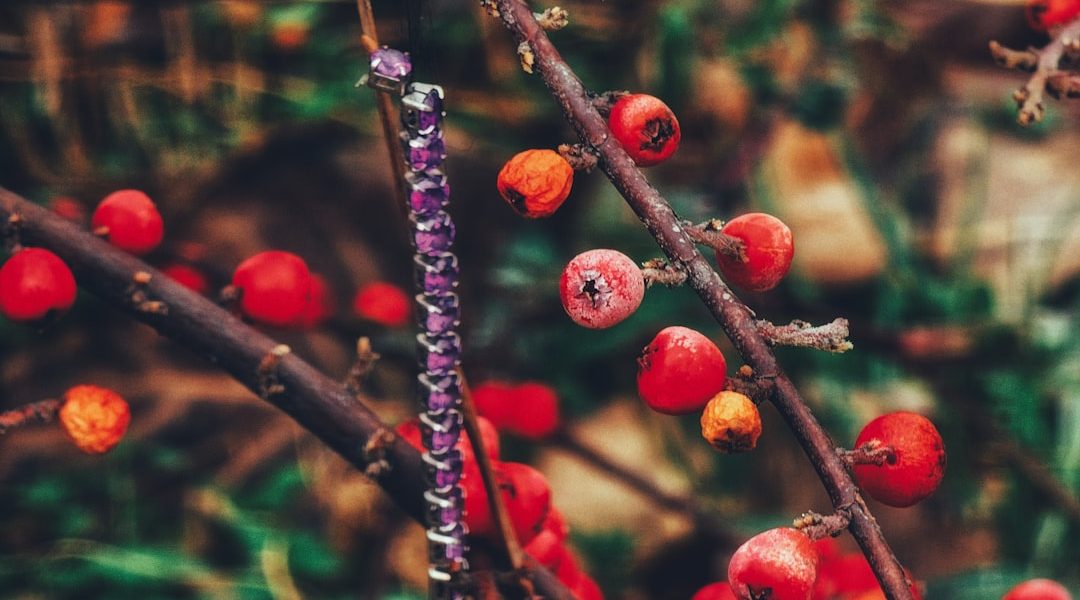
390 63
426 152
433 234
436 273
428 120
428 196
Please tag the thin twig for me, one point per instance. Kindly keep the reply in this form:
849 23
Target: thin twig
831 337
42 411
732 314
1044 64
318 403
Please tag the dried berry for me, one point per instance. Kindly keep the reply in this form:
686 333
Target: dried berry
715 591
536 182
187 276
275 287
916 464
34 282
731 422
384 303
95 418
646 128
600 288
679 371
1038 589
130 221
769 250
778 564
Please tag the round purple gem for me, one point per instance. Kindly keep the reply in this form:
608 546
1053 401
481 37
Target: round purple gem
428 196
390 63
426 152
433 233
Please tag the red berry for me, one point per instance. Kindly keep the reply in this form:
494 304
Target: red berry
646 128
586 589
917 465
33 283
187 276
779 564
1044 14
275 287
410 432
68 208
600 288
556 524
769 250
320 306
569 569
546 548
679 371
383 303
715 591
132 221
1038 589
95 418
530 410
494 400
527 496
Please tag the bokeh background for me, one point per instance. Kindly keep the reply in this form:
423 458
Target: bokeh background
881 132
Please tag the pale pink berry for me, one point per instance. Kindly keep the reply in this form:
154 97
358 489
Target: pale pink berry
600 288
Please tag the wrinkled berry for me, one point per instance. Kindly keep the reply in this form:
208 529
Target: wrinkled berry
536 182
731 422
95 418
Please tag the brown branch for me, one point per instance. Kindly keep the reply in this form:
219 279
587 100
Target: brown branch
732 314
817 526
1044 64
708 234
831 337
42 411
321 405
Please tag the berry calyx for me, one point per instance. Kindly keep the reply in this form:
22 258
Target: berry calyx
34 282
384 303
646 128
95 418
715 591
600 288
275 287
778 564
1038 589
679 371
916 465
130 221
187 276
731 422
769 250
535 183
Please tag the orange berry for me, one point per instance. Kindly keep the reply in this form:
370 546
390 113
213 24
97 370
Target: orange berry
536 182
95 418
731 422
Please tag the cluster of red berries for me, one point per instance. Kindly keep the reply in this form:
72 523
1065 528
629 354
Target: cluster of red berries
525 493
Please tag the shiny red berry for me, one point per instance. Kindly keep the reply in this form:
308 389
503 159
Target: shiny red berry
33 283
1038 589
187 276
525 493
778 564
68 208
383 303
530 409
275 287
769 250
679 371
494 400
916 465
600 288
586 589
646 128
546 548
320 306
130 221
715 591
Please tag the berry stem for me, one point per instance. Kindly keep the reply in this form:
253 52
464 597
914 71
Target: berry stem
708 234
318 403
1043 64
831 337
867 454
658 270
817 526
42 411
736 319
